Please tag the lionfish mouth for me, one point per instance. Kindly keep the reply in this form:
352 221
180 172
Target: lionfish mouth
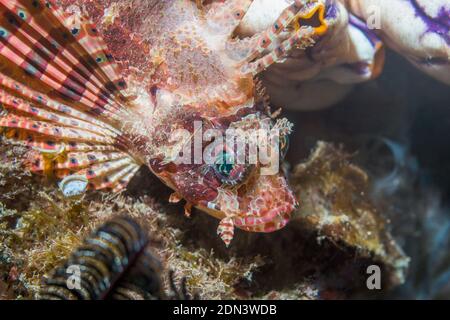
265 205
268 206
274 220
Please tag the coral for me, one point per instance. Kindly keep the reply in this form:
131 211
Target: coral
15 181
42 237
336 204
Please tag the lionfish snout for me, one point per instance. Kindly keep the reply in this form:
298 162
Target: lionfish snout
267 205
263 204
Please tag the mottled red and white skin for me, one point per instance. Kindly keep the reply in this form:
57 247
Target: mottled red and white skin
352 50
64 95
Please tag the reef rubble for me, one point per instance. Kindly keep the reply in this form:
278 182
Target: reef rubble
323 253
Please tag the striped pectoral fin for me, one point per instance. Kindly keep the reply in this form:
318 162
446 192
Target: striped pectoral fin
72 153
60 53
65 146
63 95
112 174
71 118
115 179
50 144
49 129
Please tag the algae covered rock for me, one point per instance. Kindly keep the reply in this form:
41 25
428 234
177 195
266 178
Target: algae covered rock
335 203
321 254
16 188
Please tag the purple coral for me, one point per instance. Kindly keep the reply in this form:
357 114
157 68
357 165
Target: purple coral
439 24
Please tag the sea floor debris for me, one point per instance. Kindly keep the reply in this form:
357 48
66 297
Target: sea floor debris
336 203
310 259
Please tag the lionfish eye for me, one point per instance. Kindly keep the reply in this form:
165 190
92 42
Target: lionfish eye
224 164
230 173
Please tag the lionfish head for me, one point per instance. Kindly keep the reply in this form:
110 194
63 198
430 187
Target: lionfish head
229 166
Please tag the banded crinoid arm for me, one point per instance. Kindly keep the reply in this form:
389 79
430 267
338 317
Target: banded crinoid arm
115 262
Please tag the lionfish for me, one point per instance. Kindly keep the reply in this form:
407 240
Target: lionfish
64 95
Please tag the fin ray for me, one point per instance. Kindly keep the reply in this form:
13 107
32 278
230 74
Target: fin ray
63 95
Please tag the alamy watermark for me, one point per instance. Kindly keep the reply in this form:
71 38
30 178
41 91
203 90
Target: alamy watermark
374 280
236 146
73 282
374 17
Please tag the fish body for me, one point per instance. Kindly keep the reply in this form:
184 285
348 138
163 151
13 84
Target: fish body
64 95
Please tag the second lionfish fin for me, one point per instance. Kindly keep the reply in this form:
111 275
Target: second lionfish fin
53 43
72 152
62 94
113 175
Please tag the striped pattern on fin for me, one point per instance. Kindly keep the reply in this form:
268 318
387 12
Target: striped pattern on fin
62 94
113 175
15 104
46 143
33 39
